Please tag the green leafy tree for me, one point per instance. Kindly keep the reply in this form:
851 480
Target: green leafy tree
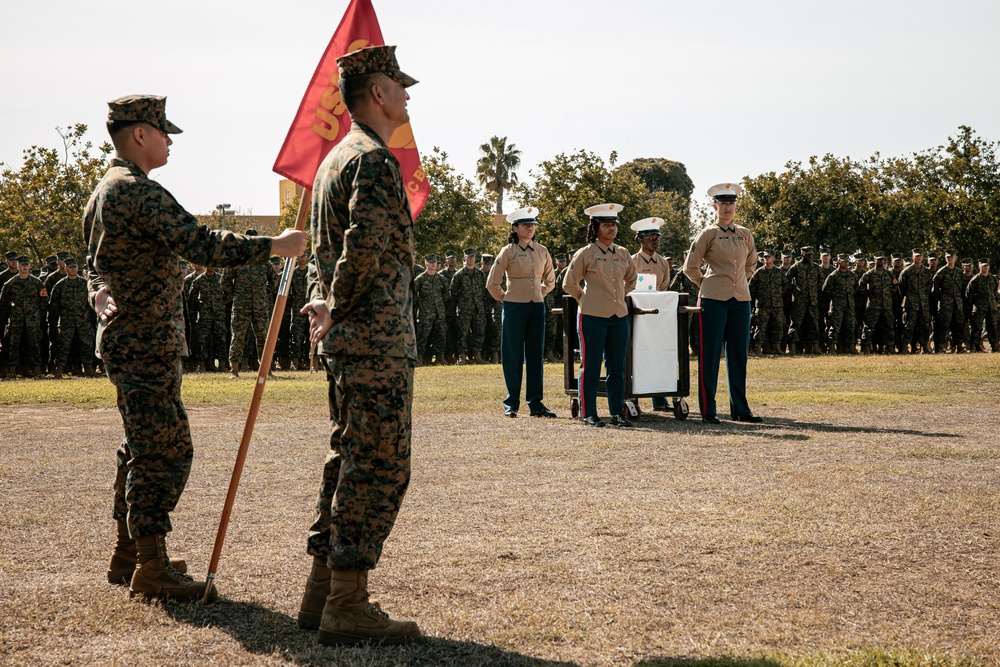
42 202
495 169
456 215
570 183
662 175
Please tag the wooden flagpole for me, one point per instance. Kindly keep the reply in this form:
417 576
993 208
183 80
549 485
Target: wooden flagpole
258 392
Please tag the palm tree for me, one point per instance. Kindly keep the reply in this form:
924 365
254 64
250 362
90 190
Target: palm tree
495 168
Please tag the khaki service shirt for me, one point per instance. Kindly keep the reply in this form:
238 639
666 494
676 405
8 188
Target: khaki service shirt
609 276
529 271
655 265
731 257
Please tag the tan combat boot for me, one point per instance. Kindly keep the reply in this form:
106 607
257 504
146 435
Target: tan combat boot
462 359
156 578
477 358
234 370
349 618
314 599
57 372
122 563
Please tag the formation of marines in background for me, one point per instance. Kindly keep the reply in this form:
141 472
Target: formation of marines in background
843 305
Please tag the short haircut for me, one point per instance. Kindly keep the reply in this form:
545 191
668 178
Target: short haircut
117 128
354 90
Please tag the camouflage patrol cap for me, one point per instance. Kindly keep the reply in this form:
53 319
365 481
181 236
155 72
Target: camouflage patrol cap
879 256
950 253
63 254
824 250
487 258
23 259
11 254
897 255
967 261
768 253
450 253
932 255
561 257
373 60
806 250
150 109
70 261
917 251
982 261
275 260
469 252
432 257
52 259
843 257
784 253
859 256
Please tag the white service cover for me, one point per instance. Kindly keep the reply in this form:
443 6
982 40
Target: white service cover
654 343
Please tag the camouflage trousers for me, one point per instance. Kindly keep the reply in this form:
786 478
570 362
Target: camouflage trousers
31 334
154 459
494 328
770 326
805 323
917 323
211 341
879 327
983 318
471 330
242 320
840 321
431 332
368 467
950 319
71 328
298 345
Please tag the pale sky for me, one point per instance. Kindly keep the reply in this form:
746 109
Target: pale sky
728 88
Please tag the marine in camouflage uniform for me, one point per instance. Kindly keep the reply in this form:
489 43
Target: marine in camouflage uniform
362 240
69 308
826 267
9 271
803 282
878 288
948 291
767 288
967 275
897 302
860 268
250 288
23 300
915 287
682 284
467 289
50 348
450 348
207 303
492 338
190 319
839 287
298 328
136 234
430 292
554 322
982 292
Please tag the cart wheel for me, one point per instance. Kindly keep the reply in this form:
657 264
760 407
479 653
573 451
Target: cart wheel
680 409
574 407
631 409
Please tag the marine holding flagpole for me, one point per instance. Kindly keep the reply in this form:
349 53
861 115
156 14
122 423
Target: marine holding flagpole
724 296
361 315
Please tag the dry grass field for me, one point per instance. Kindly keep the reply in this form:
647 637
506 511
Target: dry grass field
857 526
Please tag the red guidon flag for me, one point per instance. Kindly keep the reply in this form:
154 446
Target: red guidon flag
322 119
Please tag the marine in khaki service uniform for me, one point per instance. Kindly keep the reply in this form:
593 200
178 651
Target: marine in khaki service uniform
724 295
362 314
608 276
136 234
527 267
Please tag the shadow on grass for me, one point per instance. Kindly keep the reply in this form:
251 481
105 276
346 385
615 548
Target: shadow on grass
787 429
262 631
707 662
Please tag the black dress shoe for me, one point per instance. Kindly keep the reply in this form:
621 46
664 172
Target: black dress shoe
711 420
542 412
594 421
509 412
620 421
751 418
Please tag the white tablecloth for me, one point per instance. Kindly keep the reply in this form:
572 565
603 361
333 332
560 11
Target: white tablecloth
654 343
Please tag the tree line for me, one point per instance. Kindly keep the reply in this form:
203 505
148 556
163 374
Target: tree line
943 197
